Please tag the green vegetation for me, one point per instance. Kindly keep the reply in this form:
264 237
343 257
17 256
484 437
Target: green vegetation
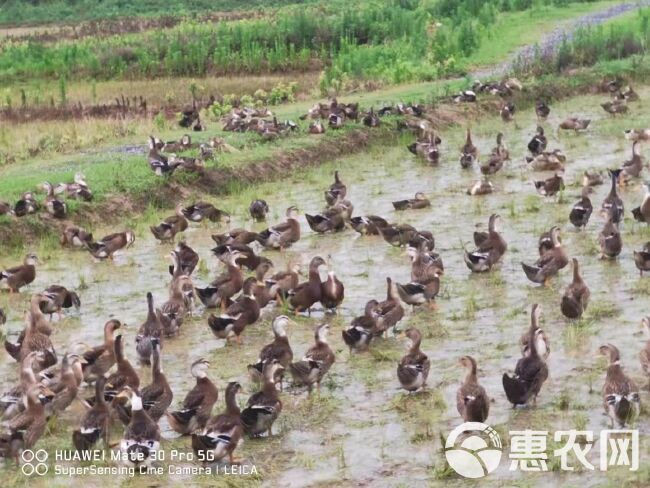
619 39
386 42
17 12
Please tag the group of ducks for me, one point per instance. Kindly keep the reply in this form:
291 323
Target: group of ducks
53 205
47 387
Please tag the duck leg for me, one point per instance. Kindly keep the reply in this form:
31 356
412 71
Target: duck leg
233 459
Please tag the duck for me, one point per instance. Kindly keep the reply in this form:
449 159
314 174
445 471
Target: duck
282 235
3 317
100 359
481 187
247 257
316 362
107 246
184 260
592 179
184 144
27 205
642 212
469 152
413 368
6 208
316 127
158 163
19 276
258 210
418 202
197 405
575 124
337 190
371 119
550 263
264 407
644 355
330 220
632 167
224 287
642 258
55 207
548 161
58 297
35 320
335 120
615 106
279 350
390 311
642 135
419 292
576 295
73 236
222 433
358 334
282 282
157 396
95 423
465 96
124 376
200 211
25 429
542 342
582 209
621 399
490 248
610 240
425 264
397 234
613 204
150 329
427 148
52 377
530 374
67 387
507 111
167 229
550 186
78 190
36 337
245 311
368 224
261 290
141 440
235 236
542 110
498 156
628 94
332 292
12 400
172 313
306 294
472 402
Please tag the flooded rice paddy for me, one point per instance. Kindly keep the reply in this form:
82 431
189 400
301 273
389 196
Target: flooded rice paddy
362 430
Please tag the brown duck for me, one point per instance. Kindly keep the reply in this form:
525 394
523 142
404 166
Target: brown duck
472 401
550 263
279 349
282 235
109 245
170 226
265 406
413 369
390 311
221 290
621 399
95 423
222 433
245 311
198 403
576 295
316 362
73 236
306 294
490 248
100 359
17 277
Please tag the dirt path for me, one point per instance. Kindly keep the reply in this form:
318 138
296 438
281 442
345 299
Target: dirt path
551 41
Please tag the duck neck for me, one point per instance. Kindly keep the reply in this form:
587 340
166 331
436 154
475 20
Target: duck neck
231 403
471 374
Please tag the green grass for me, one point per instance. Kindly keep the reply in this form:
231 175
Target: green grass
514 30
20 12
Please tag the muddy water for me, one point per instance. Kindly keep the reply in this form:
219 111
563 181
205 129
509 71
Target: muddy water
362 430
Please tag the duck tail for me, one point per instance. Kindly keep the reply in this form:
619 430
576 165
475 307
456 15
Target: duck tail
532 272
515 389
